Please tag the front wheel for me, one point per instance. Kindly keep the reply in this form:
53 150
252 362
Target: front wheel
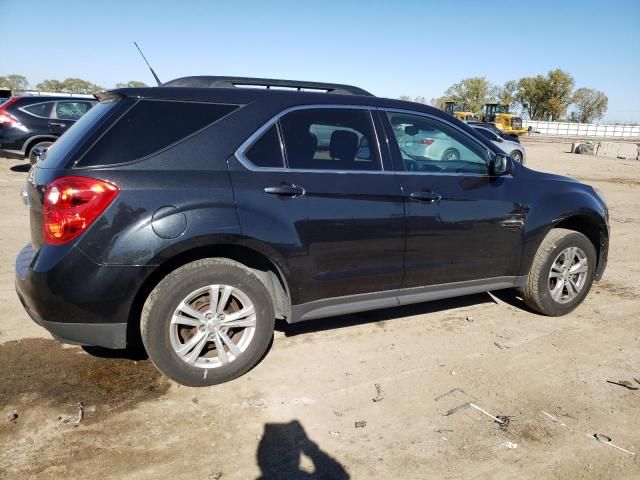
451 155
207 322
33 156
517 156
561 273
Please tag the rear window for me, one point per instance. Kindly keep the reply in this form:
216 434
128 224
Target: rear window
40 109
151 126
64 148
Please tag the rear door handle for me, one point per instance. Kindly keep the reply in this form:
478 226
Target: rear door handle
285 190
58 124
430 197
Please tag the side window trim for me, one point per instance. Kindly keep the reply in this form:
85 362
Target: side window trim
400 168
242 149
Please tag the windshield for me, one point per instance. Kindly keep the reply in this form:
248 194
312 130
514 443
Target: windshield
60 152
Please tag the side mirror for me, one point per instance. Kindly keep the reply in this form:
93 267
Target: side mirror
499 139
500 165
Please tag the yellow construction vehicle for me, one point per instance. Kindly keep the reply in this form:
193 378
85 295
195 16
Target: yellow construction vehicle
459 111
499 115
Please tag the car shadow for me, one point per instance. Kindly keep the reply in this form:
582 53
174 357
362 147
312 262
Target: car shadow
21 167
373 316
281 448
131 353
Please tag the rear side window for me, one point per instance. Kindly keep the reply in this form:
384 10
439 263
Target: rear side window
151 126
266 151
40 109
330 139
72 110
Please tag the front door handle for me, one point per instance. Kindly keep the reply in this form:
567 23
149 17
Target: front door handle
58 124
285 190
430 197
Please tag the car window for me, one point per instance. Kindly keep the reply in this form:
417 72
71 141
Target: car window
40 109
266 151
330 139
72 110
150 126
486 133
429 145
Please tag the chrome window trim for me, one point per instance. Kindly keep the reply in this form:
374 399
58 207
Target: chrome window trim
24 109
242 149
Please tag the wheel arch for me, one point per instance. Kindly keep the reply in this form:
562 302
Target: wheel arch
34 141
264 266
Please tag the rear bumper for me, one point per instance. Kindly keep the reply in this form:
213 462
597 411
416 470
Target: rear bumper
75 299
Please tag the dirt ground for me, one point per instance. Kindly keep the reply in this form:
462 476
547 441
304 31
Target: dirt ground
297 414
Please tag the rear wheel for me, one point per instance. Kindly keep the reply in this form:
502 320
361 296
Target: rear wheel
561 273
33 158
208 322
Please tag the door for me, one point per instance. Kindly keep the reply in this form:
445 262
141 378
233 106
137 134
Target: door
65 114
316 190
462 223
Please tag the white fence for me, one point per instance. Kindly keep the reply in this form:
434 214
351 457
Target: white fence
567 129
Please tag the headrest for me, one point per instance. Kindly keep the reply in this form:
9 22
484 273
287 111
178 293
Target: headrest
343 145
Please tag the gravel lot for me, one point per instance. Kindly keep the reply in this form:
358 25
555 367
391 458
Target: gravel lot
298 410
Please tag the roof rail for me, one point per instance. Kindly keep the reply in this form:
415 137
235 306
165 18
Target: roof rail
267 83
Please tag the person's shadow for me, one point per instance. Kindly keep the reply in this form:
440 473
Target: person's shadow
280 450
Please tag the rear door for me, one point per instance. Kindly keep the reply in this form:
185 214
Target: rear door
66 113
462 223
329 207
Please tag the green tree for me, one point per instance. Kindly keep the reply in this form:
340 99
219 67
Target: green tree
50 85
77 85
131 84
546 97
506 95
14 82
472 92
589 104
406 98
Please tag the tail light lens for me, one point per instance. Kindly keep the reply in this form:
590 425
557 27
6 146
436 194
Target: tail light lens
71 204
426 141
5 117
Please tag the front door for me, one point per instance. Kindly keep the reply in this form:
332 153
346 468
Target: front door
313 187
462 223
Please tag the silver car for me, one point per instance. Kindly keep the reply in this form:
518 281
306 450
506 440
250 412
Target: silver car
515 149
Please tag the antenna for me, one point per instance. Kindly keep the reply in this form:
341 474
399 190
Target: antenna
150 68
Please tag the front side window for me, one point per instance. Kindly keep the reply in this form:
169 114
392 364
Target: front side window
487 134
72 110
330 139
429 145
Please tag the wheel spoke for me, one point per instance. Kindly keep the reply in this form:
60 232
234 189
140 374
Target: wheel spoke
195 353
570 254
233 348
554 274
184 308
186 347
180 320
222 354
579 267
224 298
242 318
556 267
214 292
556 293
572 288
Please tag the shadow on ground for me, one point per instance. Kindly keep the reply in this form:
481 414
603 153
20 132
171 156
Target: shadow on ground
281 449
21 167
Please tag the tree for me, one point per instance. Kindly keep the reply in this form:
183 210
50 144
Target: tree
545 98
506 95
472 92
14 82
77 85
590 105
438 102
131 84
406 98
50 86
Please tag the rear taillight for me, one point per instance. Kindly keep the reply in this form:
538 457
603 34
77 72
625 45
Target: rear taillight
5 117
71 204
426 141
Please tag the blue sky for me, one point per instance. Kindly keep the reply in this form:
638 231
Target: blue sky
389 48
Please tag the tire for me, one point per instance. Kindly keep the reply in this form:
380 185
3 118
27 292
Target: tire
517 156
540 288
32 157
451 155
163 339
